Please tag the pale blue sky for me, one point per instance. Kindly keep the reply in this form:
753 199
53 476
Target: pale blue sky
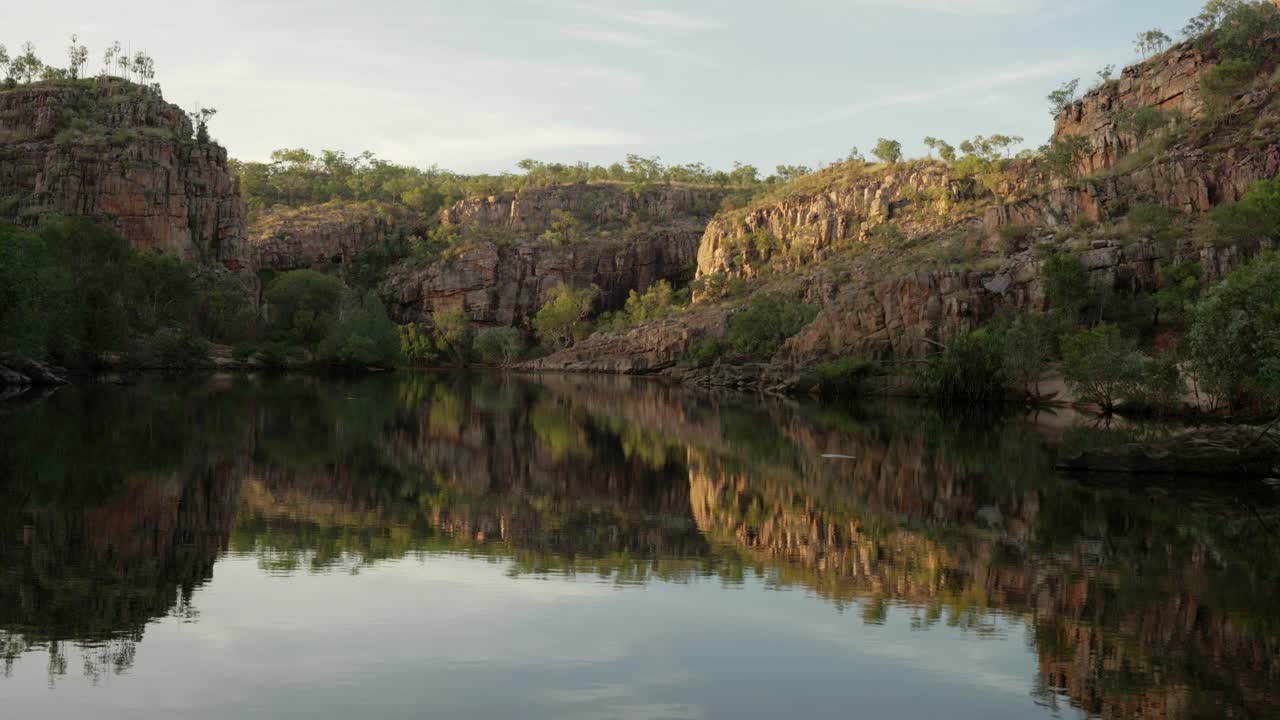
477 85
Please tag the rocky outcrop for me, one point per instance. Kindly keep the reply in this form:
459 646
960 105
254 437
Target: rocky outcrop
20 372
803 227
512 250
332 234
647 348
119 153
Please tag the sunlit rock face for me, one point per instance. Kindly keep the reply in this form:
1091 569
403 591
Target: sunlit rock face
118 153
515 248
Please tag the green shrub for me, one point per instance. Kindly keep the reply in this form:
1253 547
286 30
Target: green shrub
762 328
1160 387
970 368
1234 336
564 318
499 345
1027 347
1068 287
887 235
1014 238
1228 79
174 347
1179 290
303 306
362 334
845 376
1252 221
1101 366
705 352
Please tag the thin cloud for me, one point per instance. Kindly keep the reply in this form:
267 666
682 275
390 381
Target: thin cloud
975 8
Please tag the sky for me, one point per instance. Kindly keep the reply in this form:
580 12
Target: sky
476 86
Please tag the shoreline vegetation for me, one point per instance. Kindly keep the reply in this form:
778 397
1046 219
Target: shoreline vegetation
77 298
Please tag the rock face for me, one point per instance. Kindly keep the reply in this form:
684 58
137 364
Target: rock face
647 348
335 233
118 153
515 248
807 226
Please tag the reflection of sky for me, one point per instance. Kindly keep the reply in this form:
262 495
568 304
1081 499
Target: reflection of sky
455 637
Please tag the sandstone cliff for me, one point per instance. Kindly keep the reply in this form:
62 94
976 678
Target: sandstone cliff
118 153
328 235
512 250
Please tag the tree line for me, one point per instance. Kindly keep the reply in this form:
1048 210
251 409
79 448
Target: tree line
27 67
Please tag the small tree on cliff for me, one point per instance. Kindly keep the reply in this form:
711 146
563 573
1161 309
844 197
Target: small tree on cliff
77 57
1141 122
1063 97
4 61
1151 42
26 67
888 151
200 119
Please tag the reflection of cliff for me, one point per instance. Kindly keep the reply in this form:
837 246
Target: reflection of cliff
1127 622
483 465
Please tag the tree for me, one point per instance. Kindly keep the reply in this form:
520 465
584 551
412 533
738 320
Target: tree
1027 346
1062 98
1141 122
453 331
1234 337
971 368
564 314
77 56
1151 42
1228 79
1102 366
888 151
1252 221
855 155
1067 287
303 305
26 67
944 149
200 118
158 290
1063 156
787 173
762 328
361 334
4 61
1233 27
109 57
1105 75
499 345
1179 290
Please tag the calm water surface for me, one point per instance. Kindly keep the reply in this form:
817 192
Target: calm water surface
419 546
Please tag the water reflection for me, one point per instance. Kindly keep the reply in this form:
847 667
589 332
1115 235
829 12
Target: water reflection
117 503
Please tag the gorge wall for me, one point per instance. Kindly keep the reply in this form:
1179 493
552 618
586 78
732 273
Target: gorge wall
513 249
328 235
118 153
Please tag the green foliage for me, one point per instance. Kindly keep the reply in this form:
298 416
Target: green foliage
453 332
499 345
565 228
842 377
417 347
1179 290
970 369
297 177
887 235
1141 122
1234 27
1068 287
1028 344
945 150
362 334
174 347
658 302
1234 337
1062 157
1252 221
1228 79
1014 238
62 286
158 290
303 306
1151 42
1063 97
564 317
761 329
888 151
1102 366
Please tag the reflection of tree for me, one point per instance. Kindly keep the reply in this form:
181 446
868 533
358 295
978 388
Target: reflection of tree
90 564
1136 608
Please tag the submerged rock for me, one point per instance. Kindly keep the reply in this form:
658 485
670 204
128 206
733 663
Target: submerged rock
17 371
1236 450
